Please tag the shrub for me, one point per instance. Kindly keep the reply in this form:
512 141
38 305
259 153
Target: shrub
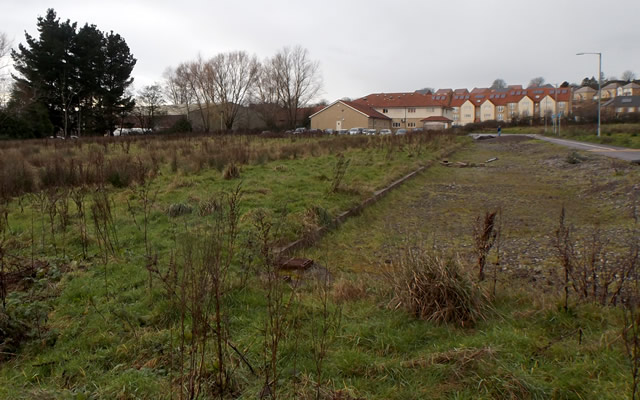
178 209
435 289
231 171
575 158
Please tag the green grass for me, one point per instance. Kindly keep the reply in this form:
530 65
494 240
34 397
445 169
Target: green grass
623 135
120 346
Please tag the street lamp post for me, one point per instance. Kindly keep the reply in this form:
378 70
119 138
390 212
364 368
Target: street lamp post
599 83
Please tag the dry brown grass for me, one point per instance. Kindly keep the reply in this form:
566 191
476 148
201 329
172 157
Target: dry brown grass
345 290
435 288
34 165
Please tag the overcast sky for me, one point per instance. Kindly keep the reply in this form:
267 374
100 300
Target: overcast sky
368 46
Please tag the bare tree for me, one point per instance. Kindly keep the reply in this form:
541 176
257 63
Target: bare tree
628 76
264 95
499 84
148 104
297 80
5 47
233 74
537 82
197 77
176 88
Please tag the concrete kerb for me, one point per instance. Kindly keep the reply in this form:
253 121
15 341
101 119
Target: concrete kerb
314 236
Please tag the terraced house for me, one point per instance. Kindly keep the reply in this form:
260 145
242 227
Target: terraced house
446 107
410 110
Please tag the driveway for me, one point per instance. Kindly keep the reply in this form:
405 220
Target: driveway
622 153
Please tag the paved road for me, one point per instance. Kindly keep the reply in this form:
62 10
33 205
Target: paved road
621 153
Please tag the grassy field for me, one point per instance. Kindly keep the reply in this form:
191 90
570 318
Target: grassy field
623 135
80 327
77 266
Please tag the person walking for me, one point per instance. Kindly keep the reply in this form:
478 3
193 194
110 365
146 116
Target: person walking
499 130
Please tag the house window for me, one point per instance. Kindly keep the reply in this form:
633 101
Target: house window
396 124
411 110
500 117
467 115
455 117
500 108
385 110
411 124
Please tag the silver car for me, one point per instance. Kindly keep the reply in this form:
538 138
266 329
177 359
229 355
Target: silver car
385 131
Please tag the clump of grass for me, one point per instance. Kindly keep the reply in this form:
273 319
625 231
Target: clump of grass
434 288
178 209
345 290
231 171
338 173
575 158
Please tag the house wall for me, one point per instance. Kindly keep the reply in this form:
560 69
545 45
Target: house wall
402 117
467 113
350 118
455 115
525 107
487 111
584 94
547 106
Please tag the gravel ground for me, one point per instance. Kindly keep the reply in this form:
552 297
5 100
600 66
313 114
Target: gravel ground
530 183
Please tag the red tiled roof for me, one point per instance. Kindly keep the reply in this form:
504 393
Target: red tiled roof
457 101
390 100
363 108
436 119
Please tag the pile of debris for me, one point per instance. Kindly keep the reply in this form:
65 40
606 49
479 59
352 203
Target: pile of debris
461 164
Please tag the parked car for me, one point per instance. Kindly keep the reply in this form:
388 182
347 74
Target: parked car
329 131
417 130
371 131
356 131
401 132
385 131
300 130
343 132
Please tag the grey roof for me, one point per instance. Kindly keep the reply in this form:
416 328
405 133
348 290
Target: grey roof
623 101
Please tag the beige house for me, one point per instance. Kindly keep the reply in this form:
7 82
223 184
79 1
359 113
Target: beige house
407 110
547 106
348 114
631 89
584 93
525 107
487 111
611 90
467 112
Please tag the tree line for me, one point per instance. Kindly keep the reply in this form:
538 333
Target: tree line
220 86
72 80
